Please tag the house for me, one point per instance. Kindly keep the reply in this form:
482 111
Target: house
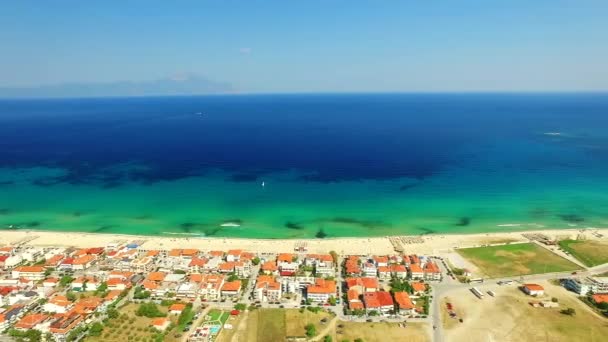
431 271
119 284
64 324
3 322
600 298
404 303
533 289
416 271
586 285
156 276
142 265
53 261
50 282
384 272
3 259
321 290
269 268
231 288
362 285
66 264
370 269
161 323
86 283
177 308
288 268
183 254
29 272
12 261
267 289
398 271
233 255
242 268
187 289
210 287
380 261
58 304
197 265
87 305
112 296
418 287
31 321
83 262
354 301
379 301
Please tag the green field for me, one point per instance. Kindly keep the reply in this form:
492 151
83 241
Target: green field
589 252
515 259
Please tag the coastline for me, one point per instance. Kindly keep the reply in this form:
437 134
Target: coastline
420 244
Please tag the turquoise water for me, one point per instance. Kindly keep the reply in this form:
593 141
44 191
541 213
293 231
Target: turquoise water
499 170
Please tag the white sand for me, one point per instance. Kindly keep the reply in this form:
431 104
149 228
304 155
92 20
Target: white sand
432 244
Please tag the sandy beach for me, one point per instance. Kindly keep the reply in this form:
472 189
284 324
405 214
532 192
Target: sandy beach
427 244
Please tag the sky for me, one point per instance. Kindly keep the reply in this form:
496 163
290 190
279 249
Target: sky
312 45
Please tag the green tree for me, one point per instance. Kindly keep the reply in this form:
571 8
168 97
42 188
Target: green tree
70 296
311 330
255 261
65 280
327 338
358 340
240 306
332 300
233 277
113 313
96 329
149 310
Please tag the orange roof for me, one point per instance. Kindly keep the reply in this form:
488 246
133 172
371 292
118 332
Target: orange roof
322 286
190 252
600 298
368 283
156 276
235 252
534 287
397 268
54 260
87 305
322 257
30 269
418 286
113 295
60 301
383 269
51 280
177 307
123 274
152 253
247 256
196 277
198 262
377 299
83 260
404 301
356 305
379 259
116 281
285 257
431 267
415 268
226 266
353 295
2 318
269 266
232 286
175 252
414 259
149 285
30 321
159 322
216 253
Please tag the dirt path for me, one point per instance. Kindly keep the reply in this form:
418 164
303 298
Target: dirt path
331 326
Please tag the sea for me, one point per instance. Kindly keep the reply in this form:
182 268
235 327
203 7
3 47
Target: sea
305 165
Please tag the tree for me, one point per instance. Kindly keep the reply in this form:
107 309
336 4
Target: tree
179 272
65 280
96 329
332 301
569 312
48 271
149 310
554 300
70 296
240 306
233 277
311 330
327 338
358 340
603 305
113 313
373 313
334 256
255 261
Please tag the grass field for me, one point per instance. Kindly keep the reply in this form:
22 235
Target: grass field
380 332
276 324
515 259
589 252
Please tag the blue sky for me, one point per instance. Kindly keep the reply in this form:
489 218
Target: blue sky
311 46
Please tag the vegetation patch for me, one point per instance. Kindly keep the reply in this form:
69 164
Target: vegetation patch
516 259
589 252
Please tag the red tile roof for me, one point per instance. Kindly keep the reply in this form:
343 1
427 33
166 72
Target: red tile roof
377 299
534 287
404 301
600 298
232 286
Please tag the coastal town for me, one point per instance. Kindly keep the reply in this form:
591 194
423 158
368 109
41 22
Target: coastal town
123 290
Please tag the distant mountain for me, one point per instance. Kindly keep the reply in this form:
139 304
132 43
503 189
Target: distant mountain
179 85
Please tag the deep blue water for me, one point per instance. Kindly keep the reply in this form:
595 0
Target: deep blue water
327 137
